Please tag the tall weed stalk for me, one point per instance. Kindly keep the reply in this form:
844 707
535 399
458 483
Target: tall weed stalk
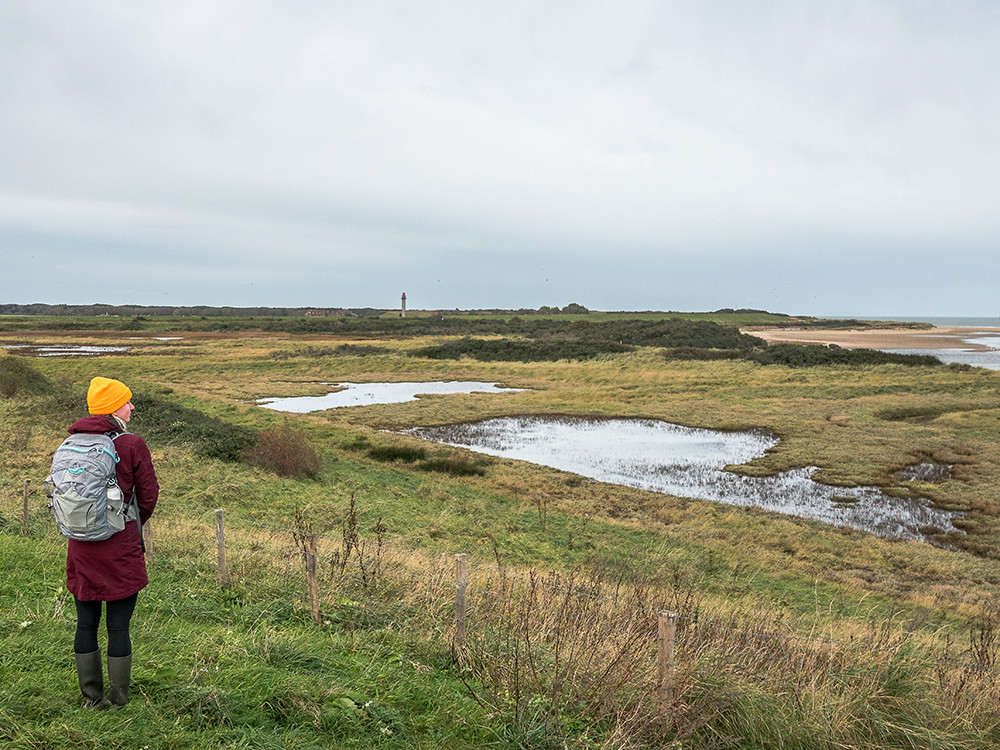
563 654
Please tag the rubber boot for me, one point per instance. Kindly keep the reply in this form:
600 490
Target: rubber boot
119 675
91 676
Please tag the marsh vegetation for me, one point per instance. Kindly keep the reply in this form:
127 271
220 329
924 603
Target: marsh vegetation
791 632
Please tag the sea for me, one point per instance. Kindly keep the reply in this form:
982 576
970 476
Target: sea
957 322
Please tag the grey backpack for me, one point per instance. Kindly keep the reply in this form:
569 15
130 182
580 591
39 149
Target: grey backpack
83 492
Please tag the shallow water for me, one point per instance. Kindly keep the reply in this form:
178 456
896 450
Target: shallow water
990 340
365 394
989 360
926 472
686 462
68 350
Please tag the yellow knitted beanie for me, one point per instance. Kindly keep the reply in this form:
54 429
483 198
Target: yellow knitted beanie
106 395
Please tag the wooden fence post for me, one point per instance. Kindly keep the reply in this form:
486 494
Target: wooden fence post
666 638
220 542
311 577
24 518
461 584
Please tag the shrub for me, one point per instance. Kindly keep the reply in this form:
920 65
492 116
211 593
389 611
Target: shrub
692 352
506 350
286 451
812 355
676 332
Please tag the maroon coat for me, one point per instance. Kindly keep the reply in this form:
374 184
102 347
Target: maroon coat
115 568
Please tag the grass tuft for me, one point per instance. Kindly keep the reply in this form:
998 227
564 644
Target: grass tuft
453 466
390 453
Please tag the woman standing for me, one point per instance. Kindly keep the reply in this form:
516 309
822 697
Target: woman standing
112 570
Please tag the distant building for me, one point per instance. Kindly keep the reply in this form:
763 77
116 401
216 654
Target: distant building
402 313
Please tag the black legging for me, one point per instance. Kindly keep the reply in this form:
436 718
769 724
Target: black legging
88 617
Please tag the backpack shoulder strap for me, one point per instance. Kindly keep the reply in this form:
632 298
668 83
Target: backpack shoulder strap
134 500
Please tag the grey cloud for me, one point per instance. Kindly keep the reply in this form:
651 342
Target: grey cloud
629 145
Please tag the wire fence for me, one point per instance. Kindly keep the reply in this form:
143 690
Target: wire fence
490 613
612 593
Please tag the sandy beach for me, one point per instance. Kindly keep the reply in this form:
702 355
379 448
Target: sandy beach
884 338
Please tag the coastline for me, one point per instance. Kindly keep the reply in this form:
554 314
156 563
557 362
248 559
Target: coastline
944 337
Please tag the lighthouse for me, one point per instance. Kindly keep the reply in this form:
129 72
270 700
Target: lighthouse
402 312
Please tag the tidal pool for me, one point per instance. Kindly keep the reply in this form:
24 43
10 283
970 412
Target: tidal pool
989 360
364 394
68 350
687 462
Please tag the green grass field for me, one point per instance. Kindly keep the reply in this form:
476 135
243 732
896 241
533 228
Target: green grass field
791 634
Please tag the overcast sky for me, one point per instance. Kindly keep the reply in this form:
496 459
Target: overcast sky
812 157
